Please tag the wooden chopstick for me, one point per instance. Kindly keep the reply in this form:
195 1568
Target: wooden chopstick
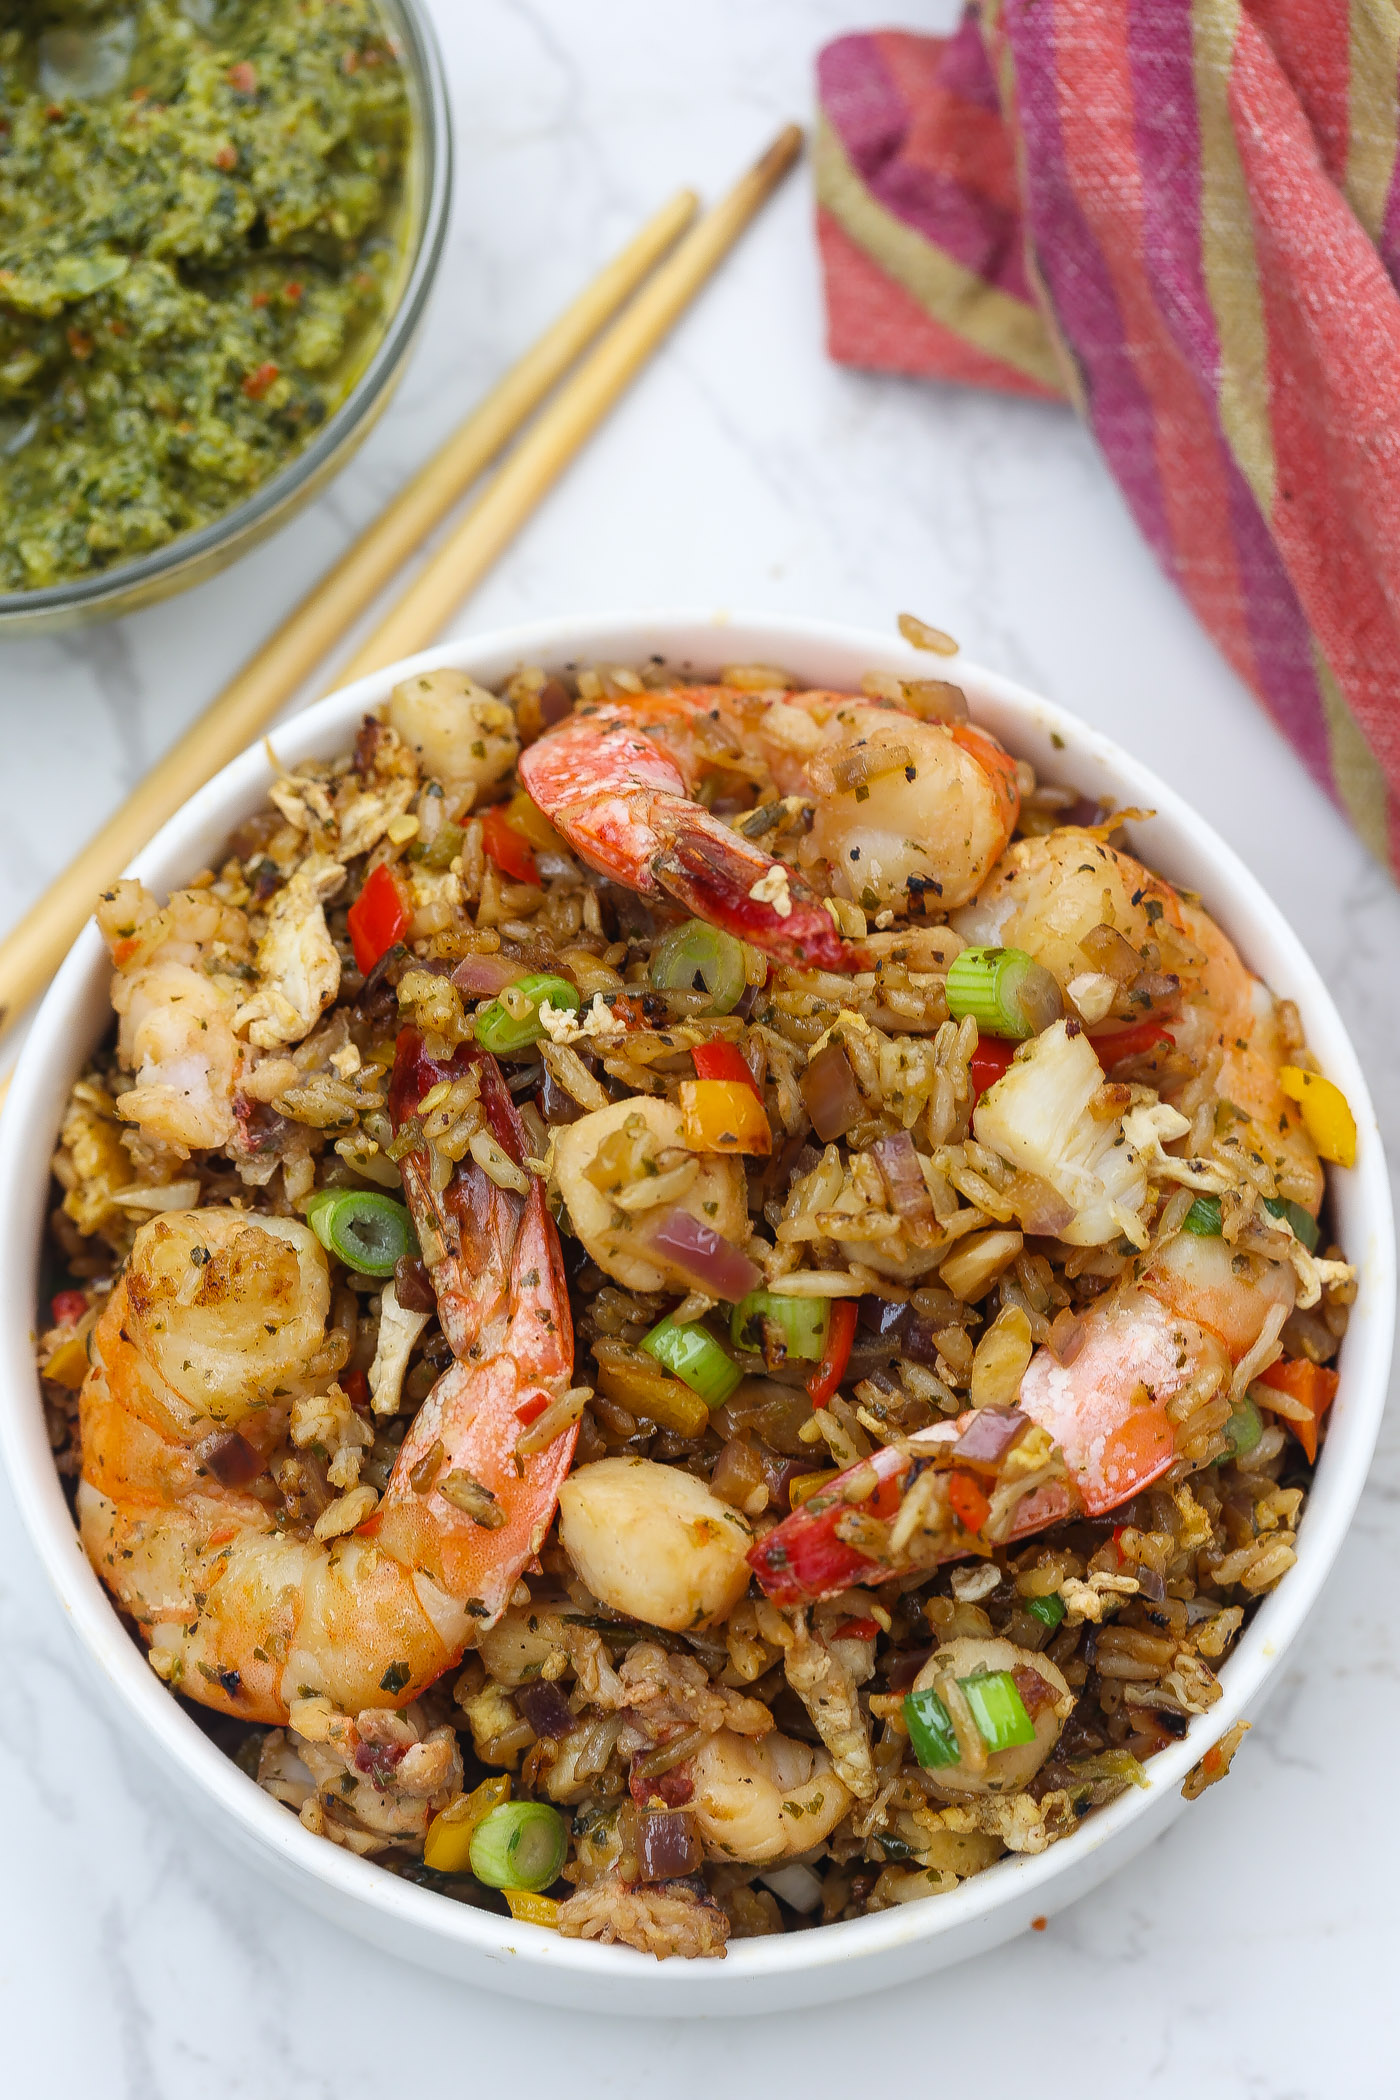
32 952
570 419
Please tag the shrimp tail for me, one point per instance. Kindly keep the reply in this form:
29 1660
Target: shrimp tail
718 876
623 804
462 1502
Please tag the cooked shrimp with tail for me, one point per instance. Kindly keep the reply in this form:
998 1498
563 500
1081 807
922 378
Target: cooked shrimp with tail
213 1342
901 808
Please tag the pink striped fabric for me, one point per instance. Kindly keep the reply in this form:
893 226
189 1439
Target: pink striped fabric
1185 216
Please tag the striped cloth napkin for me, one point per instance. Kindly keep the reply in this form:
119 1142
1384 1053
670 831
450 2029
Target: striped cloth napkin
1184 215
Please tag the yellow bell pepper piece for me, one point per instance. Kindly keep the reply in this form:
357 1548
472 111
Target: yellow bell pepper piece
448 1845
532 823
533 1910
724 1115
1327 1119
68 1366
638 1383
803 1486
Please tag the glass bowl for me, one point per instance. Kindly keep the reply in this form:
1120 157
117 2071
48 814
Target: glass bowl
193 556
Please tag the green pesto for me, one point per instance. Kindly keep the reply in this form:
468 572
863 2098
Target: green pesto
198 203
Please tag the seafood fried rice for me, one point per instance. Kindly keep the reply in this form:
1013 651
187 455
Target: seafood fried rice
694 1309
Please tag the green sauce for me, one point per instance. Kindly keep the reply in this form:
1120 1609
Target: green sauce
198 203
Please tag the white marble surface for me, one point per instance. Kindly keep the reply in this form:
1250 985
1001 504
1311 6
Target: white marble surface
1250 1952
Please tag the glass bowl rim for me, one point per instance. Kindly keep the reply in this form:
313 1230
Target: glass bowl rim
423 61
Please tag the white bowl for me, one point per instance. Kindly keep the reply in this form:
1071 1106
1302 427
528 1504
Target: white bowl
834 1961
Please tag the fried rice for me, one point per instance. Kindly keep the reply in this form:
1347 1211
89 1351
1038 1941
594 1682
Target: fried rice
1115 1625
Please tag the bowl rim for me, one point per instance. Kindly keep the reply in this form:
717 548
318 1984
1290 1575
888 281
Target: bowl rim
402 1912
80 595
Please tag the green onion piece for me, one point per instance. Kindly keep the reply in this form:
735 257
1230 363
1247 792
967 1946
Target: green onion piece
699 958
443 850
693 1354
365 1230
780 1327
1304 1224
520 1845
998 1709
1244 1428
1203 1218
503 1028
931 1730
1006 992
1049 1610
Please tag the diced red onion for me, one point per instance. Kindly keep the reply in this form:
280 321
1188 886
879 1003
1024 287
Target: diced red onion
1038 1205
903 1177
990 1435
1067 1336
703 1256
905 1668
668 1845
1150 1583
555 702
230 1458
485 976
413 1286
830 1094
546 1709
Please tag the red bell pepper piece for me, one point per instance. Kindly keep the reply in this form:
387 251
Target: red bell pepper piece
990 1061
840 1334
379 916
802 1559
530 1410
509 848
1310 1383
722 1061
68 1308
967 1501
1128 1042
855 1630
992 1057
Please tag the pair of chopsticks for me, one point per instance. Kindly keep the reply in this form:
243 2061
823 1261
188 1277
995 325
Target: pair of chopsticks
642 293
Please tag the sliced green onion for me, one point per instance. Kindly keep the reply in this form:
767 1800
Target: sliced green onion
931 1731
699 958
1049 1610
1244 1428
998 1709
520 1845
1203 1218
367 1231
513 1023
1005 990
693 1354
443 850
780 1327
1304 1224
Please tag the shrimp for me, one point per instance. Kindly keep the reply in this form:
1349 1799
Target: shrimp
1076 904
213 1337
901 806
1154 1366
179 979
